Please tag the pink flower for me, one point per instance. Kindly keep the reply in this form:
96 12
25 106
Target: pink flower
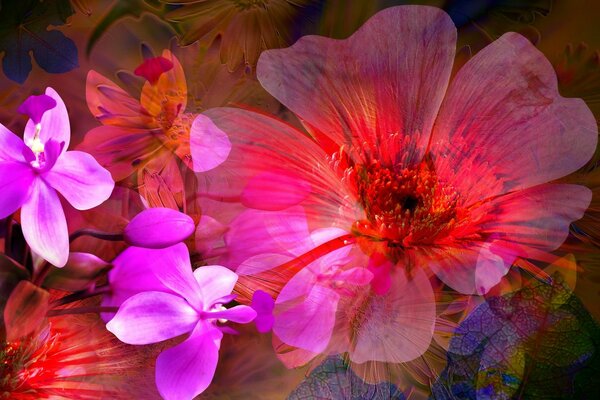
32 172
428 177
179 301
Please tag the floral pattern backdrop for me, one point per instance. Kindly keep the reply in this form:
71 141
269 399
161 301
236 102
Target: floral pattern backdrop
299 199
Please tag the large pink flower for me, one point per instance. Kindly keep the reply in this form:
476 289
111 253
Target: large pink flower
429 177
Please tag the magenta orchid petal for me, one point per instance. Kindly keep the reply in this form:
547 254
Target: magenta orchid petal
173 269
44 224
158 227
239 314
80 179
54 124
11 146
35 107
132 273
274 190
507 95
365 86
152 317
16 180
52 152
309 323
399 325
186 370
209 145
263 304
214 282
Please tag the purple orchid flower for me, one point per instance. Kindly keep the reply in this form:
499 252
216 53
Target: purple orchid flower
189 303
34 170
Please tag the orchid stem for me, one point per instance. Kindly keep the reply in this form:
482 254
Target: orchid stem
81 310
41 275
113 237
82 294
8 236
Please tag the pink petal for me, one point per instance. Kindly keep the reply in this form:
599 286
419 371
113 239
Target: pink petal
44 224
274 190
16 179
382 280
398 326
503 125
538 217
239 314
133 273
52 152
533 219
120 150
261 262
80 179
152 317
173 269
111 105
261 144
308 324
355 276
373 90
54 124
249 236
209 145
300 285
208 233
11 146
186 370
214 282
158 227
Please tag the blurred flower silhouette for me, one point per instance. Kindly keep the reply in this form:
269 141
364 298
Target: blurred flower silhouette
247 27
424 178
145 135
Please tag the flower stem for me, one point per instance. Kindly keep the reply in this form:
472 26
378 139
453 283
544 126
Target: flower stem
81 310
41 275
113 237
82 294
8 235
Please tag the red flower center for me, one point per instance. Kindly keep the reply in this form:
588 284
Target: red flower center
404 207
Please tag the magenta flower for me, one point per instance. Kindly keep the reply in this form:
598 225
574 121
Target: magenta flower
33 171
187 303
